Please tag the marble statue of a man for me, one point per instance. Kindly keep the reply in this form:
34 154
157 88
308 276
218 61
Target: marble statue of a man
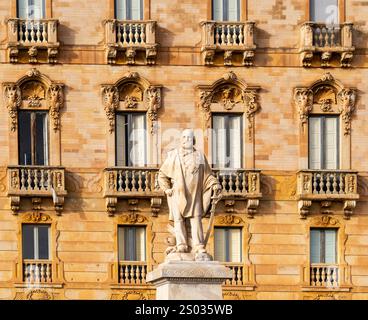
187 180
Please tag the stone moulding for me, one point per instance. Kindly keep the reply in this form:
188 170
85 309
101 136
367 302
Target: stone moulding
150 100
229 91
305 98
53 100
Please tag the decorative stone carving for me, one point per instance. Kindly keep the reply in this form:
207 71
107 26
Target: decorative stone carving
111 205
248 57
14 204
156 203
110 98
304 100
252 205
151 54
13 54
325 221
349 206
12 101
32 52
229 220
52 54
55 103
111 55
153 97
251 107
204 105
37 217
227 58
133 218
39 294
130 54
326 105
307 58
346 98
208 56
304 207
325 59
346 59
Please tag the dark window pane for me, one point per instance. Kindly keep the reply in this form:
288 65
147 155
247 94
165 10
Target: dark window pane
28 241
41 139
24 137
130 244
43 242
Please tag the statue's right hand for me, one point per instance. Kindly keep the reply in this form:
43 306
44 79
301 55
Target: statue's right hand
169 192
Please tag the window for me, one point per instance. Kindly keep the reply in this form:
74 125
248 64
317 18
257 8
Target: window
131 139
35 241
225 10
129 9
324 142
324 11
33 137
226 141
31 9
323 246
132 243
228 244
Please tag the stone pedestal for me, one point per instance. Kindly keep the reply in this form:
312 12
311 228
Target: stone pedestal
189 280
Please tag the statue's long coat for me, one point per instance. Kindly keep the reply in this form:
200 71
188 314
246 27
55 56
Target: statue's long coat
191 180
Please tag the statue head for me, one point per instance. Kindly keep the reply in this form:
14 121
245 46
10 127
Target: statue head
187 139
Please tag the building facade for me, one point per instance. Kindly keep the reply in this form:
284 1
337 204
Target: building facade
93 98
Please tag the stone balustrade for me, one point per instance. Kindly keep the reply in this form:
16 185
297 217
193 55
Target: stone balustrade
322 275
326 40
132 272
327 186
239 182
130 37
238 277
37 271
36 182
228 38
33 35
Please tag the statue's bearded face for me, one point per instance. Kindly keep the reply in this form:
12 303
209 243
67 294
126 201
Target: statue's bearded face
187 139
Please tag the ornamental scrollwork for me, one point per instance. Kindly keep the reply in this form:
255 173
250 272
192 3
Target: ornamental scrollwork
132 218
13 101
110 96
36 217
55 102
346 99
153 100
304 100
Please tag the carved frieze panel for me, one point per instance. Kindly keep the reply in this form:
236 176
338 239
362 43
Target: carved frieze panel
37 217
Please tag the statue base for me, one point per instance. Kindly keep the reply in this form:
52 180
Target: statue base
189 280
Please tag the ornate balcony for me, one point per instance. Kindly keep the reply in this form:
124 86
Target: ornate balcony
38 272
132 183
240 184
321 276
325 187
241 274
132 272
133 38
229 39
36 182
28 38
327 41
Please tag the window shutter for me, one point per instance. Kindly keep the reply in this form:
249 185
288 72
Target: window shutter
121 244
120 10
22 9
121 140
233 10
235 245
136 10
331 143
217 10
314 143
315 246
28 241
140 243
137 137
330 246
324 11
219 142
235 141
220 244
43 242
